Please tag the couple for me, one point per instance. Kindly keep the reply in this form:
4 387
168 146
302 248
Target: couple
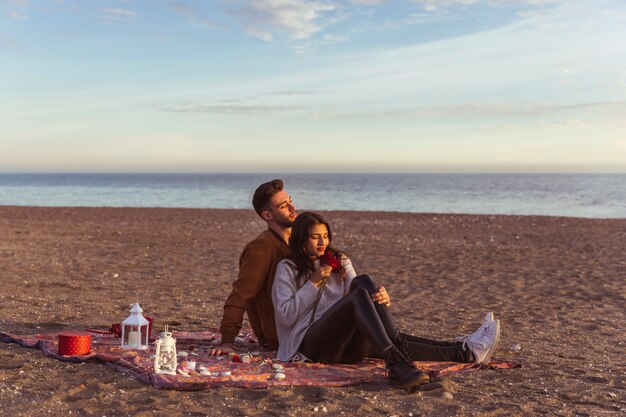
303 297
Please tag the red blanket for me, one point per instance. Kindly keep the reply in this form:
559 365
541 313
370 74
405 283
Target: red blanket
256 374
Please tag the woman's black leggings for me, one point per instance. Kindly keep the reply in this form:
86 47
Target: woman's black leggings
356 327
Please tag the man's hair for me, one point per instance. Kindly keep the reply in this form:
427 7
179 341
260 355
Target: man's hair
264 193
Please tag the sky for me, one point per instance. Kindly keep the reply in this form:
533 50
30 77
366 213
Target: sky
313 86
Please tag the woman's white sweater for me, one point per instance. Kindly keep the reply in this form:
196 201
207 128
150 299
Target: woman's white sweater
293 305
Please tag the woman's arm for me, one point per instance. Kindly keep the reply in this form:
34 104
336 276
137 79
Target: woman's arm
291 302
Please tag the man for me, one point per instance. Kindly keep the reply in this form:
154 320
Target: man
252 290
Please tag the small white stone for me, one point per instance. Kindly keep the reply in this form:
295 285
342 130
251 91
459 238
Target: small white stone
516 347
182 353
447 395
280 376
278 367
205 372
226 373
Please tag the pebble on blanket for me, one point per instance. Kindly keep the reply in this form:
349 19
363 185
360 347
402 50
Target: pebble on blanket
258 373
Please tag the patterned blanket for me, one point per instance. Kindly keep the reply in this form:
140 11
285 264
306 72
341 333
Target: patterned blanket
226 370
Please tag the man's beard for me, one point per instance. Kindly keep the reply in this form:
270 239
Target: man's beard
284 222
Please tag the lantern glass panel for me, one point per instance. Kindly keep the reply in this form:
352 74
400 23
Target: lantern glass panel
135 336
143 332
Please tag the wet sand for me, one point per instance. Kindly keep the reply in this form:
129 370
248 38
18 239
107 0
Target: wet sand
558 285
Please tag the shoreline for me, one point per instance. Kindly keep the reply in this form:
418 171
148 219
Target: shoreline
556 284
348 212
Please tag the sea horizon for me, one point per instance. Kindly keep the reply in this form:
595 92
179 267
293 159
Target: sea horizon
273 172
591 195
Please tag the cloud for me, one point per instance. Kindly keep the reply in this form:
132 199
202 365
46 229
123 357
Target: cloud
335 38
18 3
233 109
507 109
11 5
299 19
183 9
431 5
190 13
269 103
369 2
12 14
293 93
117 14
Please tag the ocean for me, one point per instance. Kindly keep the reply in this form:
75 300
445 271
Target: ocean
574 195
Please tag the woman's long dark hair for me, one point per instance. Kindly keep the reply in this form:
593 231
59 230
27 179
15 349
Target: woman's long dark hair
299 236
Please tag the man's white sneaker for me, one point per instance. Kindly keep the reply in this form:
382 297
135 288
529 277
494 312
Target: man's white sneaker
482 343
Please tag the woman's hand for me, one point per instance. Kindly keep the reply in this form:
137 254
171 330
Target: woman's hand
321 273
381 297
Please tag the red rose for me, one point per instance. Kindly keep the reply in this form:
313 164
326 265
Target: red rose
116 329
330 260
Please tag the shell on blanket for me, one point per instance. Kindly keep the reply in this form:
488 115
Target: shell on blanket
280 376
129 355
182 353
204 371
277 367
226 373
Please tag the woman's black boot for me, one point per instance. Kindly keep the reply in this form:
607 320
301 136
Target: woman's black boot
401 371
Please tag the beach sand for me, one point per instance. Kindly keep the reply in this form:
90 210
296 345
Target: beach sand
557 285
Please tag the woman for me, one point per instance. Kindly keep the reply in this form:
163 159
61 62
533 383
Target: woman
325 313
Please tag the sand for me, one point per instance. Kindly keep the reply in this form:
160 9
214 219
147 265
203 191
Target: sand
557 285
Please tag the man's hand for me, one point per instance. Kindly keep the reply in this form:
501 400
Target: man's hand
381 297
222 350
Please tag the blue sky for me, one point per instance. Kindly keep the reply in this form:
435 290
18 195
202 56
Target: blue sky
294 85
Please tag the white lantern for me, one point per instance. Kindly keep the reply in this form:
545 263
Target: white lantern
165 354
135 329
